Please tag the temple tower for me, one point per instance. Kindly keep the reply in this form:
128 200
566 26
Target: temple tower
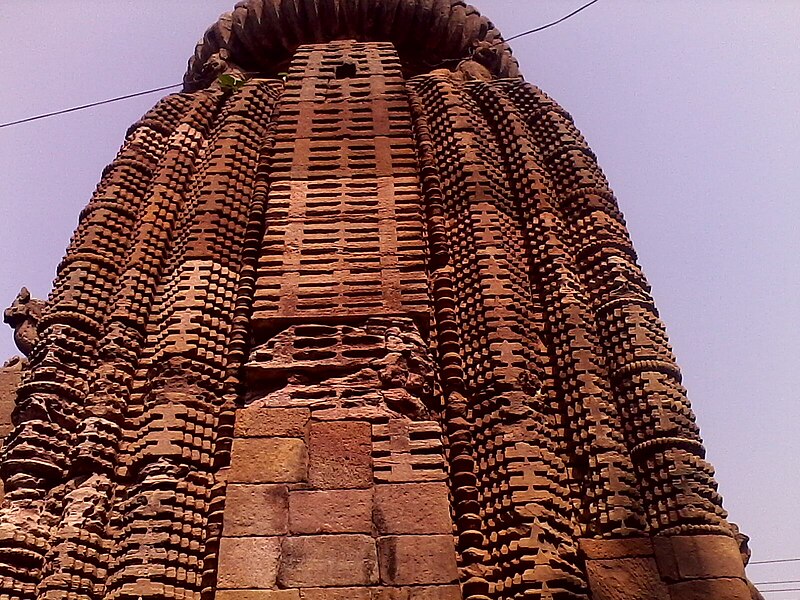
355 316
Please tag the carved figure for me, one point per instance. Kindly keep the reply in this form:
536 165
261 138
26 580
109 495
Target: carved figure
23 316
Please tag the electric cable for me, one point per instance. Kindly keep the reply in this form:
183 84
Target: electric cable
549 25
90 105
169 87
772 562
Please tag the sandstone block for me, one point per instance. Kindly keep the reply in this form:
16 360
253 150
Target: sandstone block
705 589
256 510
350 593
258 595
705 556
417 560
328 561
698 557
412 508
260 421
340 454
10 378
438 592
610 549
626 579
330 511
268 460
248 563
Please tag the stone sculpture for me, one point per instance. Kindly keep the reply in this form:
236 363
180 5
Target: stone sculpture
367 326
23 316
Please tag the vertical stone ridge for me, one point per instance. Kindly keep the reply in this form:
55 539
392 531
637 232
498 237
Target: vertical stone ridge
511 417
180 381
57 380
77 564
663 439
238 346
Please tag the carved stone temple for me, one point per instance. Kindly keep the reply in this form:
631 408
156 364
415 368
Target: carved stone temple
354 316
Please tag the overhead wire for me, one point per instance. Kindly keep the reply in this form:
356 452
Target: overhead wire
774 561
90 105
549 25
169 87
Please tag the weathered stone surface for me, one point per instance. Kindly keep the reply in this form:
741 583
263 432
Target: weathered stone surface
340 454
412 560
626 579
412 508
268 460
611 549
349 593
698 557
10 378
328 561
260 421
703 589
439 592
258 595
330 511
256 510
247 563
705 556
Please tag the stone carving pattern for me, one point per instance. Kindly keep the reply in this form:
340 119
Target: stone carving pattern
444 300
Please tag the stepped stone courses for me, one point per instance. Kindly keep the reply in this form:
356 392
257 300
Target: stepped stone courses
368 327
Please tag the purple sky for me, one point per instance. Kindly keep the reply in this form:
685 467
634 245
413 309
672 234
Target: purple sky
692 108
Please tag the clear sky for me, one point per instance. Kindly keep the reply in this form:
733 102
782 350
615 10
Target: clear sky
692 108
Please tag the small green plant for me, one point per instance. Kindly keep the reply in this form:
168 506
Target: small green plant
230 82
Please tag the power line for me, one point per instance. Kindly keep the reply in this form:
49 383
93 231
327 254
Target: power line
772 562
169 87
779 591
777 582
90 105
556 22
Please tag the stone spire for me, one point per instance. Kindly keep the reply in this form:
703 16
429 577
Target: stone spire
356 315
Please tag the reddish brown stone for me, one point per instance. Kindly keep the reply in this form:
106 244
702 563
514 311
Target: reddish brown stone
256 510
415 560
626 579
328 561
698 557
706 556
350 593
439 592
260 421
10 378
258 595
246 563
439 256
442 592
705 589
610 549
268 460
339 454
330 511
412 508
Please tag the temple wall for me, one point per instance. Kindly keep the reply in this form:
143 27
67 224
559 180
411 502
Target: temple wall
338 447
342 333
